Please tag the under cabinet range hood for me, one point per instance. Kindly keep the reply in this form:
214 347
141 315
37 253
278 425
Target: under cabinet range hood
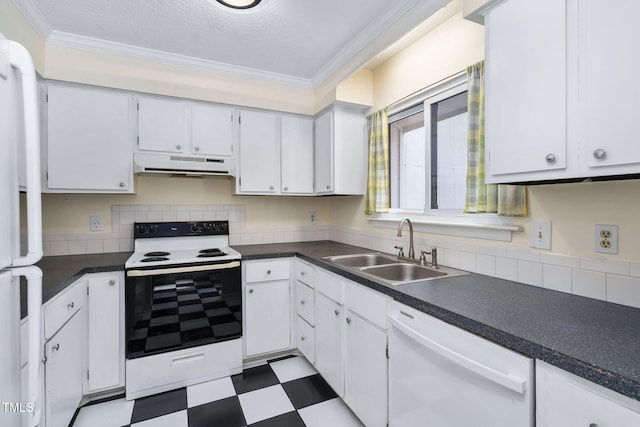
145 163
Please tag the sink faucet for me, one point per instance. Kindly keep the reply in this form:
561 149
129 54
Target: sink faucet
412 253
434 257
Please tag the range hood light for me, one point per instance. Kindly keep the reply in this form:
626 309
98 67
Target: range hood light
239 4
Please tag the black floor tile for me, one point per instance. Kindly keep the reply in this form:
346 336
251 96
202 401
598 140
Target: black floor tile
254 378
159 404
308 391
225 412
290 419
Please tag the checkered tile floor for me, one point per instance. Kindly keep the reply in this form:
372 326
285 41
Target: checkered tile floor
282 393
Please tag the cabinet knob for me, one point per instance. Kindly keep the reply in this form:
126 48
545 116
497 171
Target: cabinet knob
348 320
593 425
328 187
286 188
550 158
250 291
268 271
55 347
337 312
70 305
302 273
271 187
196 148
112 282
302 338
301 302
599 154
178 147
121 184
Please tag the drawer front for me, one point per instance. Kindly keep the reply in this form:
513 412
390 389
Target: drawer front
330 285
369 304
305 339
263 271
305 273
305 302
62 307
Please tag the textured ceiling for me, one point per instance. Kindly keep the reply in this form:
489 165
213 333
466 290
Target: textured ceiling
295 38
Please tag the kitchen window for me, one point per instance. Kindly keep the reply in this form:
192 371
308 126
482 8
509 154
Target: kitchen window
428 153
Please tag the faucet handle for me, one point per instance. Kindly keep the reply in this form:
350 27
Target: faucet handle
423 257
401 249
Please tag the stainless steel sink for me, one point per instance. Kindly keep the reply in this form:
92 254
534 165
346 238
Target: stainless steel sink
362 260
390 269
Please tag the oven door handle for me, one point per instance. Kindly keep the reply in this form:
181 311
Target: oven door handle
172 270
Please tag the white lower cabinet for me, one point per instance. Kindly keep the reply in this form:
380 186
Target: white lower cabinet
105 335
566 400
267 316
329 354
63 373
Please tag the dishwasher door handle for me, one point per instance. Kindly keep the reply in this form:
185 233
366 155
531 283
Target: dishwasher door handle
509 381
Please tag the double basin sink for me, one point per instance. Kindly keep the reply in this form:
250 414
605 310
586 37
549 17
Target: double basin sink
390 269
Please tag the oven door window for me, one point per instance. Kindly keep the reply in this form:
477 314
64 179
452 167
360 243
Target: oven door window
169 312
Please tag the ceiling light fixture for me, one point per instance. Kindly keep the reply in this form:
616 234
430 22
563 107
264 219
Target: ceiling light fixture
239 4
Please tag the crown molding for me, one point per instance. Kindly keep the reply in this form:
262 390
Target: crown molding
75 41
35 17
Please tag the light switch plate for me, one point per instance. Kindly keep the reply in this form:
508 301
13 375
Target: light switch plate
540 237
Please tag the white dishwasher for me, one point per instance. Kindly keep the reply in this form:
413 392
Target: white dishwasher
443 376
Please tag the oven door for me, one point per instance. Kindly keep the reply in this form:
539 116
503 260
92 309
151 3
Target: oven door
175 307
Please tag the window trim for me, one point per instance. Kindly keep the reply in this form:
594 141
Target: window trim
445 222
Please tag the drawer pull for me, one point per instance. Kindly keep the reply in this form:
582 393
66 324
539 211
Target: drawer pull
55 347
187 359
301 302
250 291
599 154
268 271
70 305
112 282
348 320
337 312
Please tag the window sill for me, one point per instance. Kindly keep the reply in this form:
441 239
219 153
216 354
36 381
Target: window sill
452 227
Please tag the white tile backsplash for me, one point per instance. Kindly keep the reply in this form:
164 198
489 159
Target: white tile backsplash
556 277
530 273
623 290
590 284
506 268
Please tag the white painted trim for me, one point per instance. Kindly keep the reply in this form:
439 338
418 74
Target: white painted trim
35 17
499 232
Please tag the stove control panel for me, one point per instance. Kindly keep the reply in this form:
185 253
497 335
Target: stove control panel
180 229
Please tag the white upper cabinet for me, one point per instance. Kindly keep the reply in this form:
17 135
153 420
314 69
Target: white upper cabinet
609 88
561 95
341 150
162 124
258 142
296 154
525 87
211 129
88 140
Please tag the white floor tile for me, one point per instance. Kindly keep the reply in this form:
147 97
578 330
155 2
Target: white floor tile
107 414
330 413
264 403
292 369
175 419
210 391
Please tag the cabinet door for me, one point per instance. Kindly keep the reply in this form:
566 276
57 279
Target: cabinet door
323 138
63 372
211 129
89 140
267 317
162 125
105 352
564 400
329 325
365 371
259 166
296 147
609 88
526 89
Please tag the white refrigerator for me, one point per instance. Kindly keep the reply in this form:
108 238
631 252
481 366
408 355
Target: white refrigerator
21 396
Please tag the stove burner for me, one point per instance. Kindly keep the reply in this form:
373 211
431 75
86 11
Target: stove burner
211 254
154 259
157 254
212 251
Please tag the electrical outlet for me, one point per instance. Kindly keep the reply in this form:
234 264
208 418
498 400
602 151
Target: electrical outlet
313 217
540 235
606 239
95 223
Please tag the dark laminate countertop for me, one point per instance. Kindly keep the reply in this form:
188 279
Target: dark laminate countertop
61 271
593 339
596 340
